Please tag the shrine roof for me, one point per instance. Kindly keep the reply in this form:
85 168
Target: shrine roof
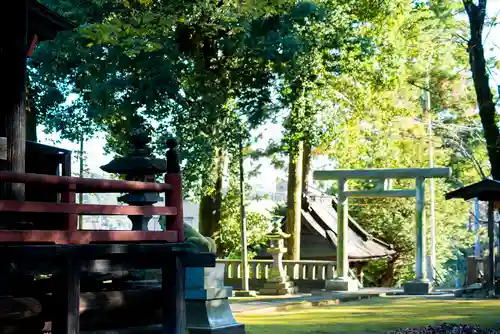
44 22
32 148
485 190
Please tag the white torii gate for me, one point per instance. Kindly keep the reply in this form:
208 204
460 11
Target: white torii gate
384 176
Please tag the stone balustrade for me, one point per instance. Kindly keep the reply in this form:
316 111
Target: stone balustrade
306 274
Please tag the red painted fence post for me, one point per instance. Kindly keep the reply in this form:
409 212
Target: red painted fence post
173 197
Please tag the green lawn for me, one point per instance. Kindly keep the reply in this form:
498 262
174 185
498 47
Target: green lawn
374 315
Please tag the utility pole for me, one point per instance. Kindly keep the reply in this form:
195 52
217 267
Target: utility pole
432 205
244 251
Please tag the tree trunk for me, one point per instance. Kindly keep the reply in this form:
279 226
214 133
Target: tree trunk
293 218
306 166
387 279
477 14
206 215
210 204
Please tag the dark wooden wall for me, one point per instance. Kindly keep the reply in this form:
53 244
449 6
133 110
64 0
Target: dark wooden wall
39 160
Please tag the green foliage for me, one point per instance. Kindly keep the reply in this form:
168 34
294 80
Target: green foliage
279 210
229 235
184 67
203 244
193 69
380 125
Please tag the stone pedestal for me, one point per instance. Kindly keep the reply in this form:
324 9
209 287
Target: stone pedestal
245 293
341 284
207 303
418 287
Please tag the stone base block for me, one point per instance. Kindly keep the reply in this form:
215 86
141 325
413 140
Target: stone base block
278 288
210 316
244 293
280 285
278 291
233 329
278 279
341 285
418 287
203 278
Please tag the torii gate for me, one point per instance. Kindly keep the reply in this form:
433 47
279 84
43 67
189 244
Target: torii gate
384 189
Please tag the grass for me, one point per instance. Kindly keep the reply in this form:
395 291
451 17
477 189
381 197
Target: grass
374 315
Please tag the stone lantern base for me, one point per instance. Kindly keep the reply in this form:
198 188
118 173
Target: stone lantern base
279 286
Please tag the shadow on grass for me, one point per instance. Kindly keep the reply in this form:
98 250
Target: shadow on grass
375 315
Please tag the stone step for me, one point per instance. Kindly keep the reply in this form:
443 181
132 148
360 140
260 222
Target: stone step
282 285
279 291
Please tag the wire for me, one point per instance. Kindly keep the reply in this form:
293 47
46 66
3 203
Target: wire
491 75
491 26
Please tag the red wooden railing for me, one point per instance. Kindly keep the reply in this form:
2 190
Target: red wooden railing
69 186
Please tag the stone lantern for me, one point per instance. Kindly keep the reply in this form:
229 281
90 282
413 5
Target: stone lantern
278 282
138 165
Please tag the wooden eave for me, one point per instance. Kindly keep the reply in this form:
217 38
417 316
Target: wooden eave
485 190
45 23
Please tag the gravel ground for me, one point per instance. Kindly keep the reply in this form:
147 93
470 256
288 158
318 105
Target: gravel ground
447 329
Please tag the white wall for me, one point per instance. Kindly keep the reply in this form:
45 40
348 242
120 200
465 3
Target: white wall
191 214
123 223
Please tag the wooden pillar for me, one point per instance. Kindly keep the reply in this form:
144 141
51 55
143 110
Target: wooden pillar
173 301
69 196
174 196
66 312
491 247
14 53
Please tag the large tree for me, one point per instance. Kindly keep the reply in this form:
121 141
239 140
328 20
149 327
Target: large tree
476 12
